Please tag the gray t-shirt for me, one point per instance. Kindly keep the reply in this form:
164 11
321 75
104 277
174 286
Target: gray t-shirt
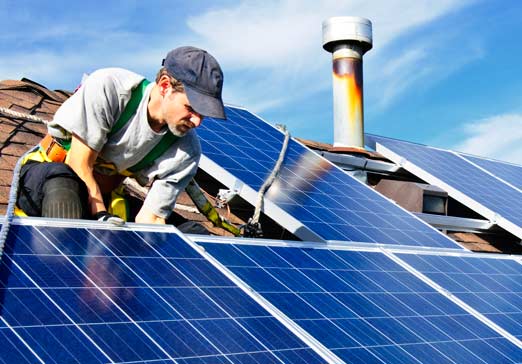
93 110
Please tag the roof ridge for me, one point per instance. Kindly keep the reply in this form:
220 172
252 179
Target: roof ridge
26 84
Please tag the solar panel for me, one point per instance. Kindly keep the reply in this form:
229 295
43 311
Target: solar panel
97 296
311 197
491 285
466 183
509 172
362 305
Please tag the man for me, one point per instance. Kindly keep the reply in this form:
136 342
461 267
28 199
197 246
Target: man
111 131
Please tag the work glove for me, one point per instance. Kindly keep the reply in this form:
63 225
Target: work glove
104 216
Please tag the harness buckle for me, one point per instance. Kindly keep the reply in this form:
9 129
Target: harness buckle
54 150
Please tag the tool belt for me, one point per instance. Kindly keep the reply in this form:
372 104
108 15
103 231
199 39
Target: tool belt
53 149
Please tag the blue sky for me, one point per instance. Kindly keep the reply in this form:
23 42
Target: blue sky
447 73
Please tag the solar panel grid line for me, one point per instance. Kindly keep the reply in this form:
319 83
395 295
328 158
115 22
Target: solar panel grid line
472 203
509 172
488 283
485 170
285 320
323 285
31 350
159 295
327 223
500 330
454 349
64 313
197 248
131 320
279 351
269 273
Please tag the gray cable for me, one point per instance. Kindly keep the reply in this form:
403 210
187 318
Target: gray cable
13 192
268 182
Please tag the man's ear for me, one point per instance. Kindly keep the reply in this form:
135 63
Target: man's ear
164 84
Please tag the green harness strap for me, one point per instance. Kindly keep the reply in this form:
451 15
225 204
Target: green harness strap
166 141
130 109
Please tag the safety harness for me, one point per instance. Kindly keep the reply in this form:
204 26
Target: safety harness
130 109
55 150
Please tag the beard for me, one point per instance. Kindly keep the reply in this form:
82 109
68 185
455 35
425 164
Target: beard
177 130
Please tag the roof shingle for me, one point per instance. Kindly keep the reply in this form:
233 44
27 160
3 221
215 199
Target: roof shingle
18 133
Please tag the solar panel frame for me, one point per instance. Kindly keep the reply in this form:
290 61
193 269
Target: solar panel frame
369 222
387 253
297 355
509 224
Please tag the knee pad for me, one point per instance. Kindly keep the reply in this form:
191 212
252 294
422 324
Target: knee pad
63 198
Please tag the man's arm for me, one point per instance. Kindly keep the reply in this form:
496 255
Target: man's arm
145 216
81 159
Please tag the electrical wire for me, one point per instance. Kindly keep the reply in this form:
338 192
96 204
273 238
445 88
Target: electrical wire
13 194
268 182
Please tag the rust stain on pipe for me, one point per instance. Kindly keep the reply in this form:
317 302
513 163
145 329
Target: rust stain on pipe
348 100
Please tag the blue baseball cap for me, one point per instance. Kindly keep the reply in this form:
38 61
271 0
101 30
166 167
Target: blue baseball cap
202 79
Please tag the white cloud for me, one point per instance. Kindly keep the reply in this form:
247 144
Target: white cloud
271 51
281 41
63 67
395 76
421 65
498 137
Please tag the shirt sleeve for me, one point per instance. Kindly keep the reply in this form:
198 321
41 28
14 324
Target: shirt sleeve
171 174
91 112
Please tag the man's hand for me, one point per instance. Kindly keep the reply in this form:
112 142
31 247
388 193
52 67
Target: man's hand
104 216
145 216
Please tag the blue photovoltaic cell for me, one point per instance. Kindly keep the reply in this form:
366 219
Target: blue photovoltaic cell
363 306
13 351
491 286
325 199
98 296
460 175
509 172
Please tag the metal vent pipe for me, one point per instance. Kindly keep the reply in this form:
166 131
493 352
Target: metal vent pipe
347 38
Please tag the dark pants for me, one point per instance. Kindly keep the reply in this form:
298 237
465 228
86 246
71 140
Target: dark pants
51 190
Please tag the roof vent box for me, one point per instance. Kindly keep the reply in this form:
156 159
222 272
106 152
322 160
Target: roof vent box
415 197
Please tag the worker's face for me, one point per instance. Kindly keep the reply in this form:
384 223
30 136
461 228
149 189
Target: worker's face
178 114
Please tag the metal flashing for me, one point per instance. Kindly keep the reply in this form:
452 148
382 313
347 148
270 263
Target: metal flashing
348 162
454 223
